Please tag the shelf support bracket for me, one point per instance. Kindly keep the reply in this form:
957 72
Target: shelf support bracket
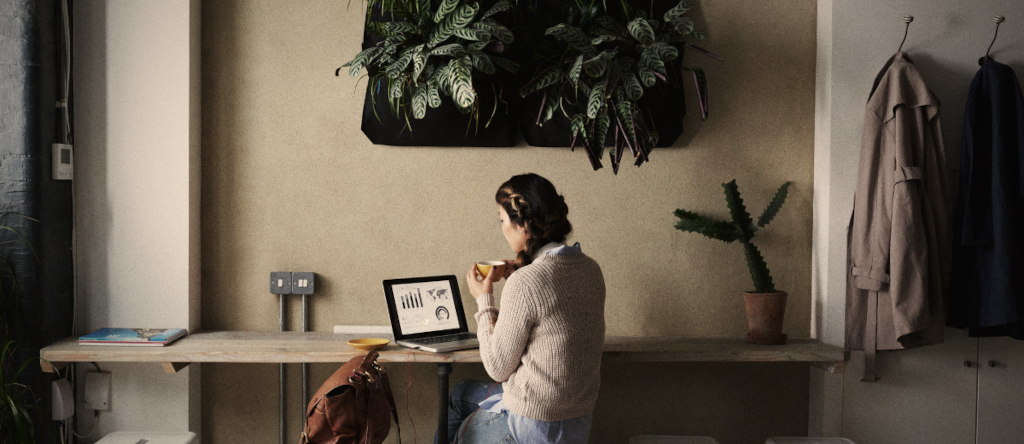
174 367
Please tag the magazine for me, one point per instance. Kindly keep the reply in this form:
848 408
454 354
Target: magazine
132 336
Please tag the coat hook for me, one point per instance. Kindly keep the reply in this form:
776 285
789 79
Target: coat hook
998 19
906 19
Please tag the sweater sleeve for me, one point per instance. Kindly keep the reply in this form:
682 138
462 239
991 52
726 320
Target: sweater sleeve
503 339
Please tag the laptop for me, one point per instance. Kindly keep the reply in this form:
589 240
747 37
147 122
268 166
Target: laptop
426 314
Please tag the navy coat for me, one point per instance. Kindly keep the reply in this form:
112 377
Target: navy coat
987 280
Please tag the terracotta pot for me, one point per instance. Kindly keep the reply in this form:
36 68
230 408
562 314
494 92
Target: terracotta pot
765 312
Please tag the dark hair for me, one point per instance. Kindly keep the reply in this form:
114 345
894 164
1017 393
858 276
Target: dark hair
532 203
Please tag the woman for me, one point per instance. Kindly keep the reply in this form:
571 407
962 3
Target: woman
544 346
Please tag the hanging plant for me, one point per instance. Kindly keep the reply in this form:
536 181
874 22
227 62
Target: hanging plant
604 66
424 53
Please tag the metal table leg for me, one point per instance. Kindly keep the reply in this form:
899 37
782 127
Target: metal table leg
443 370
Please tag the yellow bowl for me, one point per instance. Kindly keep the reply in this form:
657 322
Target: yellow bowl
368 344
485 267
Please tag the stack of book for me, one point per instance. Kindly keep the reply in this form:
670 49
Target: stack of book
132 336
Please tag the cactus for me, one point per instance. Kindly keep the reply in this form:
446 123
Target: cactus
741 228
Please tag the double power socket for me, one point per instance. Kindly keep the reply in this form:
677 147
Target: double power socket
288 282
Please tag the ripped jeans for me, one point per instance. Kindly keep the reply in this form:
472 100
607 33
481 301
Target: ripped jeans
483 427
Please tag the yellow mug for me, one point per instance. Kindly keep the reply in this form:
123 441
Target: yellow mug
485 267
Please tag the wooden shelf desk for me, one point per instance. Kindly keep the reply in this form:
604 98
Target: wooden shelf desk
325 347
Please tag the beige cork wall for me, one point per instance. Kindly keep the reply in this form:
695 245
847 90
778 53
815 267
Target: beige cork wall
290 183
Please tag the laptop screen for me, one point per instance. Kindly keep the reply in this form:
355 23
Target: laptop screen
425 306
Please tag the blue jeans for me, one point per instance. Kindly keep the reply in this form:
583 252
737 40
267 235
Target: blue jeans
483 427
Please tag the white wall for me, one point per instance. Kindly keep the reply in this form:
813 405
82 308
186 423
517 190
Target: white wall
854 40
136 84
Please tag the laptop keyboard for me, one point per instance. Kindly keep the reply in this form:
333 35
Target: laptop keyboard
445 338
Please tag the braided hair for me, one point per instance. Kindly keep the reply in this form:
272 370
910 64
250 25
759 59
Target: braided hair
532 203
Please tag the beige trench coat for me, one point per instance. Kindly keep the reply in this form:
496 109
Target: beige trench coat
899 252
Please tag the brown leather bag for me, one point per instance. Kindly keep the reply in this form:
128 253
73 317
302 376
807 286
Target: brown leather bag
352 406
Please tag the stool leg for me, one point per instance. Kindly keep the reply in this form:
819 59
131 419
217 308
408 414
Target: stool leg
443 370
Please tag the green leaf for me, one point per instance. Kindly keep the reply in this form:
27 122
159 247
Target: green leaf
393 42
419 61
633 88
572 35
596 66
419 102
698 35
641 30
774 206
433 98
498 7
476 35
482 62
548 78
609 24
461 78
395 69
574 71
740 217
677 11
682 25
446 7
549 109
505 64
601 130
396 88
664 51
399 27
362 59
423 8
596 101
451 49
651 61
576 124
647 76
477 46
378 29
460 18
497 30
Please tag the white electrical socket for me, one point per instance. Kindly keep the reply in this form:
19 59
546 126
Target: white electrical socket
97 391
63 161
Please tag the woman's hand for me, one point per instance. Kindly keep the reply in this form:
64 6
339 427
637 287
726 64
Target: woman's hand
479 284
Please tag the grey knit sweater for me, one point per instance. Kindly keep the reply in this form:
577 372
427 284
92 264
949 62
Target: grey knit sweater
546 345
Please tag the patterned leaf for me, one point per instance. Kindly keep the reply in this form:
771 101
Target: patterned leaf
472 34
576 124
596 101
460 75
505 64
698 35
419 102
651 61
549 110
462 16
482 62
396 68
607 37
664 51
419 61
574 72
548 78
682 25
393 42
451 49
677 11
601 130
641 30
477 46
596 66
362 59
443 80
498 31
624 109
378 29
423 8
433 98
498 7
609 24
633 88
446 7
395 90
399 27
647 77
571 35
